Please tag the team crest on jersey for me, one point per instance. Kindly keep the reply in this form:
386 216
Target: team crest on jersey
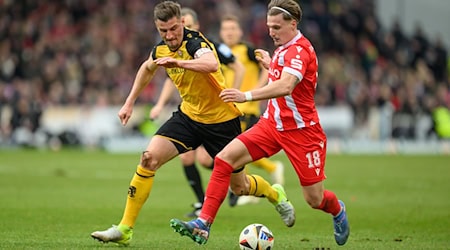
180 53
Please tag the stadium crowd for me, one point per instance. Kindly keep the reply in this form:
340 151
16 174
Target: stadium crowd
85 52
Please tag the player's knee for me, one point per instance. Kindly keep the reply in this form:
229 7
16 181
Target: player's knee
148 161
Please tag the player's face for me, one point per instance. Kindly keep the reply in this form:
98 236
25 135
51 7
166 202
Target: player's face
188 22
171 32
230 32
281 31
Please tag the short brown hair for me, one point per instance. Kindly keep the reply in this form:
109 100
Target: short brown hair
166 10
289 8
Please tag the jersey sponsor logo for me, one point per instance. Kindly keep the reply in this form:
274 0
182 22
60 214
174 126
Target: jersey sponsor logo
274 72
296 63
174 71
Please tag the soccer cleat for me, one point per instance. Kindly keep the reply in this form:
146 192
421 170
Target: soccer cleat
278 173
194 229
232 198
121 235
284 206
341 227
196 212
247 199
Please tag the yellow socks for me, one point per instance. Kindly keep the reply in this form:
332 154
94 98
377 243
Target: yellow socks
261 188
138 192
265 164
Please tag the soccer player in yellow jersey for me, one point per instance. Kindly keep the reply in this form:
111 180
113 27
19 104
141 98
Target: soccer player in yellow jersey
255 76
188 159
191 62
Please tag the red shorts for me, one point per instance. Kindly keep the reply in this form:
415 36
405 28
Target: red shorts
306 148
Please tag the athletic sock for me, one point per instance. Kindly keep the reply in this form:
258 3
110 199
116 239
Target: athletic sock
266 164
259 187
217 190
193 176
138 192
330 203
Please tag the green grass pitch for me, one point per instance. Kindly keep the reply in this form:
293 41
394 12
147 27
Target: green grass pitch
54 200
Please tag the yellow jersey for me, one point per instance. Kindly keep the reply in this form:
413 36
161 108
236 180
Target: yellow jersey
199 92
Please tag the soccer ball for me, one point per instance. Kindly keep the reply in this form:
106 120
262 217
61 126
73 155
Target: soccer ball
256 236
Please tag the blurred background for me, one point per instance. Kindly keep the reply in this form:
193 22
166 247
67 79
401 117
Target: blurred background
67 66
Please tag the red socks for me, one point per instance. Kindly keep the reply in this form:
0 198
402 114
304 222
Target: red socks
330 203
217 189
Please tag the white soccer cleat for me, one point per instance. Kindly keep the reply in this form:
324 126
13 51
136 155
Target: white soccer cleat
118 234
284 207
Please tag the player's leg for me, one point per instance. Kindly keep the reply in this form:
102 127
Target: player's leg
194 179
198 229
308 160
159 151
320 198
274 168
215 138
172 138
203 158
260 142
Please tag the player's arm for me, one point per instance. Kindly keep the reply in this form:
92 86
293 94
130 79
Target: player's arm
263 77
143 76
263 73
239 71
291 74
204 62
164 97
282 87
204 59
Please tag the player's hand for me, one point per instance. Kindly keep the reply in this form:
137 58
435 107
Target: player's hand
232 95
167 62
125 113
156 110
263 57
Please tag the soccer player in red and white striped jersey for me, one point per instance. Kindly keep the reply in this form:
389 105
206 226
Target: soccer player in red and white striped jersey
290 123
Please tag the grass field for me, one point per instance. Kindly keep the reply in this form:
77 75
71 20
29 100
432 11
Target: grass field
54 200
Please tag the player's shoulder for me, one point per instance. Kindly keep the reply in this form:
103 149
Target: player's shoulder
302 45
159 50
193 36
304 42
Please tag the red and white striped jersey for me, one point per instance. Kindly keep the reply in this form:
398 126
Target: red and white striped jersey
297 110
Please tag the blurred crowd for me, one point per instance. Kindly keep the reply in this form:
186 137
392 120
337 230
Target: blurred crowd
86 53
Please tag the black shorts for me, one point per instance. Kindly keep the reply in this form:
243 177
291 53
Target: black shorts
247 121
187 134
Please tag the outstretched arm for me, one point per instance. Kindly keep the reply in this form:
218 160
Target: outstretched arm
144 75
284 86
